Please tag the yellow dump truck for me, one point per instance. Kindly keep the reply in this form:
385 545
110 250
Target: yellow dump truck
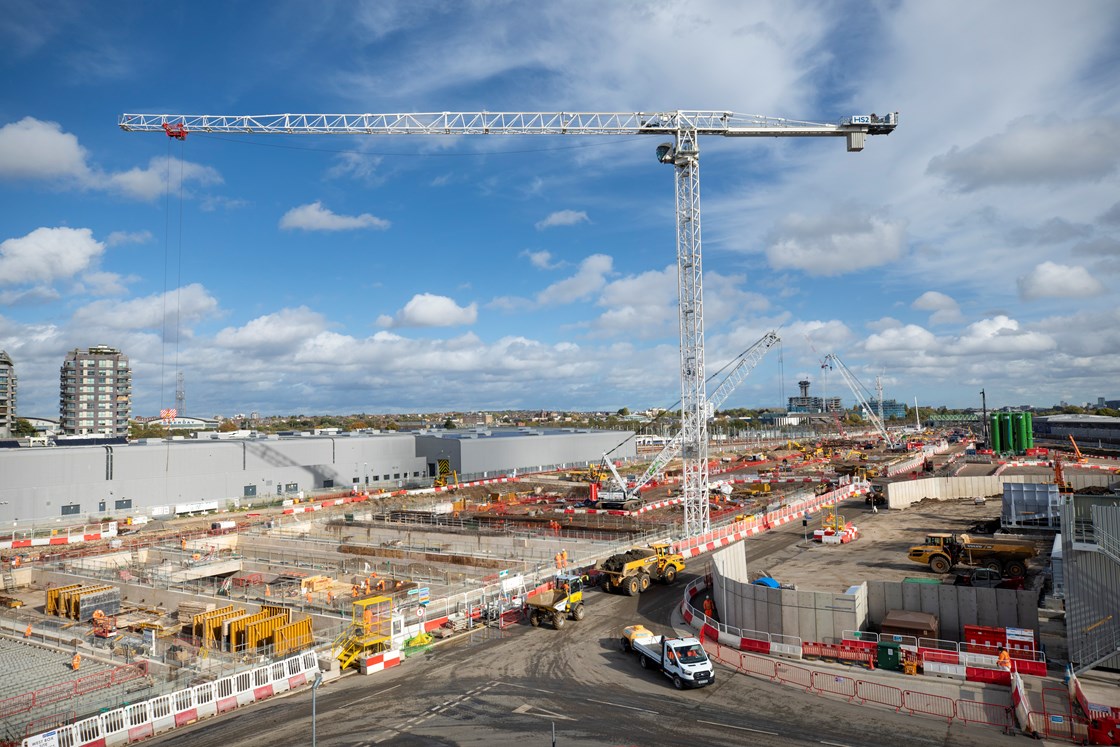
633 571
942 551
556 605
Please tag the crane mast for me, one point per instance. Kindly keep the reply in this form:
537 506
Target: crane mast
684 126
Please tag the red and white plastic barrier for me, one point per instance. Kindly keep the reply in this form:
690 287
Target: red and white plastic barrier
68 536
379 662
139 721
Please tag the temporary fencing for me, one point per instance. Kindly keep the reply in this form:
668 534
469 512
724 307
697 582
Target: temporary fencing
730 646
853 689
879 694
827 683
61 691
918 703
139 721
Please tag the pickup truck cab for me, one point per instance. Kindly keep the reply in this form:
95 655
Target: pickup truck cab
682 660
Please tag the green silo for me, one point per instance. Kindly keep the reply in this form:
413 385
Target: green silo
1029 426
1006 432
1017 438
993 423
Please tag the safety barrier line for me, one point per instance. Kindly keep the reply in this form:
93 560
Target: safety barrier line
912 702
928 704
139 721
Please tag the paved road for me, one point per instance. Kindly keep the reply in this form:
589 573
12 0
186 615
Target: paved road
512 687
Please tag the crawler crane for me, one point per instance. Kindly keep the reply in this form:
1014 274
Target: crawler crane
683 153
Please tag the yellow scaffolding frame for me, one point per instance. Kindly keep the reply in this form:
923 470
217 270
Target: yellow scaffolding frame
370 630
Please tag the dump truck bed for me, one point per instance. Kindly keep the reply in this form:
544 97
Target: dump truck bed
546 600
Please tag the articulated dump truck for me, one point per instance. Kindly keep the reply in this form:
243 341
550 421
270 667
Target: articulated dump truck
557 605
943 551
633 571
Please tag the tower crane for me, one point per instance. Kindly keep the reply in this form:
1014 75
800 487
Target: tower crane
857 389
683 153
747 360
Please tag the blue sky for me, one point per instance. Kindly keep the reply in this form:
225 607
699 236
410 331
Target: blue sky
978 246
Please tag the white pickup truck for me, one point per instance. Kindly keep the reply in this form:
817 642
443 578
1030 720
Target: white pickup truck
683 660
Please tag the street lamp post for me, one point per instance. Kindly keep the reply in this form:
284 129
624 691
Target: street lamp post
314 692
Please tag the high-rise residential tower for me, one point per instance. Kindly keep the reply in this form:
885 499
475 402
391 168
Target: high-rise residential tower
95 392
7 396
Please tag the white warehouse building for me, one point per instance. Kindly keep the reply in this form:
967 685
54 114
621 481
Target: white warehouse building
120 479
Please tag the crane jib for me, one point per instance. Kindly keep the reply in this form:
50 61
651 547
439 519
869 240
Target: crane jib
727 124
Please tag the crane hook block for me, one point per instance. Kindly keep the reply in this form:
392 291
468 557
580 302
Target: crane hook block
177 131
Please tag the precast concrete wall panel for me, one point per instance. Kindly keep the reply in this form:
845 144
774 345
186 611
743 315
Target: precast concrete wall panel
822 608
986 610
876 600
894 597
806 616
791 614
948 612
912 597
731 563
740 608
773 608
907 492
929 599
967 613
1007 609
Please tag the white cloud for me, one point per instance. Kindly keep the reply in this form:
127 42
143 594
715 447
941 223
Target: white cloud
315 217
835 244
117 238
429 310
48 254
161 176
588 280
1001 335
643 306
945 309
156 313
274 334
563 218
909 337
1050 153
542 260
362 167
105 283
33 149
210 203
1052 280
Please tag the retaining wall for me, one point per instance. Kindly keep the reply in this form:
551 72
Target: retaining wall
904 493
954 606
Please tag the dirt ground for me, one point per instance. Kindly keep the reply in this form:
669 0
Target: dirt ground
880 551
